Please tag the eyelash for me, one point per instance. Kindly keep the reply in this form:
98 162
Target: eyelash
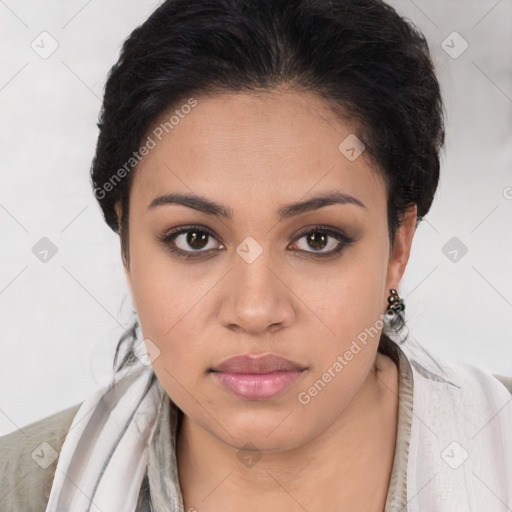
169 237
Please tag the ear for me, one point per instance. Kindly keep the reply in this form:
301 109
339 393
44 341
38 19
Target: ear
127 273
402 248
118 210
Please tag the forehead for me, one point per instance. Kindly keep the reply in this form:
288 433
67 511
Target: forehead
255 147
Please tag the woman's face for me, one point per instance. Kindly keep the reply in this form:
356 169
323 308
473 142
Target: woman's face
256 273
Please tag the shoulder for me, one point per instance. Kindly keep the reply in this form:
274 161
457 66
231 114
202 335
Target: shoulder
455 371
28 459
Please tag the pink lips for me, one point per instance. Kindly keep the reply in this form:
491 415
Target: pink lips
257 377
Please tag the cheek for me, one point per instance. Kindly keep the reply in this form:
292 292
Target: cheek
160 291
172 301
353 309
151 288
168 307
354 299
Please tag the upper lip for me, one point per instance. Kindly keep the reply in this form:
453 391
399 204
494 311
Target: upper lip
248 363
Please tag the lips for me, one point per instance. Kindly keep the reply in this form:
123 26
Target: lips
265 363
257 377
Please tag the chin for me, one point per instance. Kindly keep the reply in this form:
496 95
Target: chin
263 431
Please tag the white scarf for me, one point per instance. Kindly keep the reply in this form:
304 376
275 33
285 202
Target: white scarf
460 452
460 456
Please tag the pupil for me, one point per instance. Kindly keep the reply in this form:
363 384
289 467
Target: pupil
317 239
197 241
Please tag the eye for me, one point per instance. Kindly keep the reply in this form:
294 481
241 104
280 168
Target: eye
320 238
187 241
195 241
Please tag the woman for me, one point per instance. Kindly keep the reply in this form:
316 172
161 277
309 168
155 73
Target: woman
266 164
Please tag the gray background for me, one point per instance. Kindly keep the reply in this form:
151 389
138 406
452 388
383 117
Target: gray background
61 319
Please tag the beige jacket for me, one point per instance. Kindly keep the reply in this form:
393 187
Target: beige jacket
25 482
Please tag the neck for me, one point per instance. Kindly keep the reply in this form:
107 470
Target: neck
354 454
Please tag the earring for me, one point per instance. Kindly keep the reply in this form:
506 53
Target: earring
395 302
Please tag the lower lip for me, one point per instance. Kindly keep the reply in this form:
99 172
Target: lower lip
257 386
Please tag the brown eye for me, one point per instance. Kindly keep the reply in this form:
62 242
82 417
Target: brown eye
197 239
187 241
319 239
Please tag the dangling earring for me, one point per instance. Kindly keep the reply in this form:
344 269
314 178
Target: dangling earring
395 302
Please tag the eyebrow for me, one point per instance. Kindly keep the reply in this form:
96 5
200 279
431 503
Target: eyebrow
210 207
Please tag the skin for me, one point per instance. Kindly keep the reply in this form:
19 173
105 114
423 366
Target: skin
254 153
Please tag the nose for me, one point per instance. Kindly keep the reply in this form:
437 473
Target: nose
256 299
